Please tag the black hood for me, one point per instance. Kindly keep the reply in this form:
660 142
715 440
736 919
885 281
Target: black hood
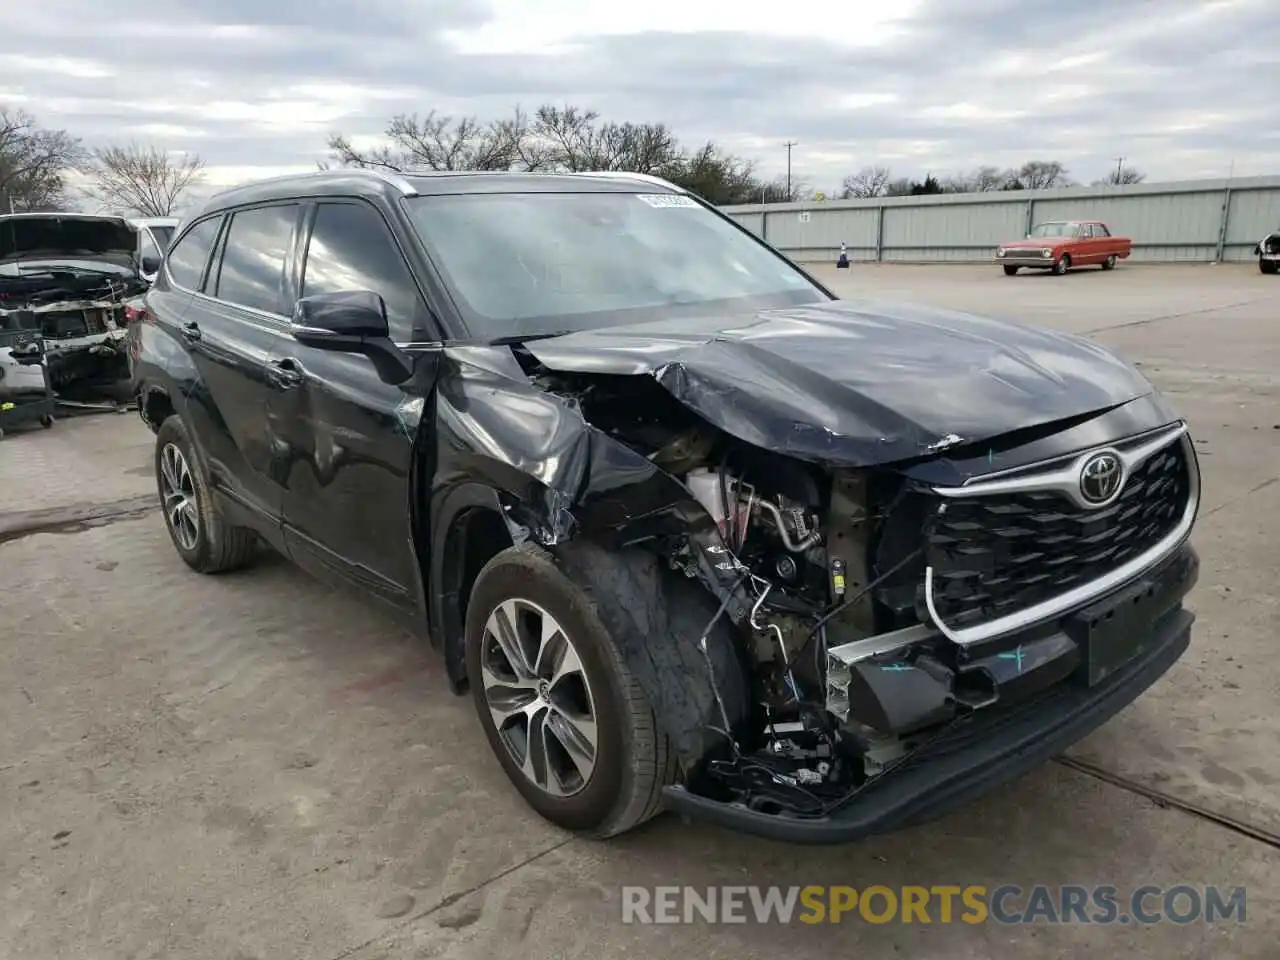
859 383
55 235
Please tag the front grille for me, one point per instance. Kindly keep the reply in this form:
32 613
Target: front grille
995 555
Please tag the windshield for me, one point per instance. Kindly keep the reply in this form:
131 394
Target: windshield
530 264
1054 230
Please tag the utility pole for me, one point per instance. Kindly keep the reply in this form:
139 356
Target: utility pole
789 145
1119 169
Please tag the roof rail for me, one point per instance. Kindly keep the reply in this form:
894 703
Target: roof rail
626 175
386 176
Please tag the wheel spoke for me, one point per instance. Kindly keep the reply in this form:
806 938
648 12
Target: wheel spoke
503 626
169 471
506 702
567 666
577 735
535 764
175 512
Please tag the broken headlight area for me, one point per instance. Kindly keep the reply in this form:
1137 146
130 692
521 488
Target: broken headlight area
846 589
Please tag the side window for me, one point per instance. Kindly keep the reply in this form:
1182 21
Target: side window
351 248
1100 231
191 253
252 270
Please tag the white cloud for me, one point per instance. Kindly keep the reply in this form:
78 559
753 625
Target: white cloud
929 85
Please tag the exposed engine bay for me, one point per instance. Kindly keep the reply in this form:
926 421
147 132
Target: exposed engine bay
808 562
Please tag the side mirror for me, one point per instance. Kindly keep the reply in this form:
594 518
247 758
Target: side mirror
351 321
318 320
150 265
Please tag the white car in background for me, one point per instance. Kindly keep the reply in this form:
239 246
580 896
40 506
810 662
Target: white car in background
154 236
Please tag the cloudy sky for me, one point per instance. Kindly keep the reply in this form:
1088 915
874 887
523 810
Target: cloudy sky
1181 88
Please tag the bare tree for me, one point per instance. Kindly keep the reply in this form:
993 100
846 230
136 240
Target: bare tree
984 179
1042 175
143 180
716 176
867 182
439 142
1122 176
899 187
34 163
574 139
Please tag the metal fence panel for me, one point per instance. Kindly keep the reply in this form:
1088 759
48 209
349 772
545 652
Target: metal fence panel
1202 220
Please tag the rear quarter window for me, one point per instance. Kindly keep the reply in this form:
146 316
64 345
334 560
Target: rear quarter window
189 256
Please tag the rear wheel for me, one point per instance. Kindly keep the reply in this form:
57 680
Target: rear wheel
201 534
1063 264
1010 270
1267 266
1109 263
564 715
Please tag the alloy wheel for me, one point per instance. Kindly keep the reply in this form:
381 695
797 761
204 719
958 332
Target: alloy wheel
539 697
178 492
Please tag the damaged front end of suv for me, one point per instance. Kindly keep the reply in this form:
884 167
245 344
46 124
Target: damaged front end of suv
72 277
866 560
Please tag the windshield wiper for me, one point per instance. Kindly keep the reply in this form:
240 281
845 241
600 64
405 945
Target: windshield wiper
526 337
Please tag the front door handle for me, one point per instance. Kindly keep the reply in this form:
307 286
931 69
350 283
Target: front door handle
191 331
285 373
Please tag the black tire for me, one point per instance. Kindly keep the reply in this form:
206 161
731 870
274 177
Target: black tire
1109 263
633 760
1268 266
1010 270
1063 265
218 547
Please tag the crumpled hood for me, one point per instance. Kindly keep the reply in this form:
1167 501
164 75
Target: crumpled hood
859 383
49 236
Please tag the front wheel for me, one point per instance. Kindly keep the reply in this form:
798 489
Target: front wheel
1063 264
564 715
1010 270
1268 266
201 534
1109 263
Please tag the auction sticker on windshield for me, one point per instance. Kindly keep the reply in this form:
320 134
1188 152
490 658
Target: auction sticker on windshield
667 200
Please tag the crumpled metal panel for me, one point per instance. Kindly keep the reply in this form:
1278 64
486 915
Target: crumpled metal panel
859 384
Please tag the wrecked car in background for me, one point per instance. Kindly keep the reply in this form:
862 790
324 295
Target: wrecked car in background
693 532
1267 251
75 278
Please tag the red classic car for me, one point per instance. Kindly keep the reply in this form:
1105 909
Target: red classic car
1060 245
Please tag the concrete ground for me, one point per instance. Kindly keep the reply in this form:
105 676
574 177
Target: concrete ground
252 767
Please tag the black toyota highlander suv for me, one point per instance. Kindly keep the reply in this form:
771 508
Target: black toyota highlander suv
693 532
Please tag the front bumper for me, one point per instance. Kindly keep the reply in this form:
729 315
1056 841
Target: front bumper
995 746
1025 260
98 358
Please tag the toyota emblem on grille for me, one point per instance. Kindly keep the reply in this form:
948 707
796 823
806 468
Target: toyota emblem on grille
1101 478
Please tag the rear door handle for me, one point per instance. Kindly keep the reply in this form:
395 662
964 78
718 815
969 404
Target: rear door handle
191 331
285 373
